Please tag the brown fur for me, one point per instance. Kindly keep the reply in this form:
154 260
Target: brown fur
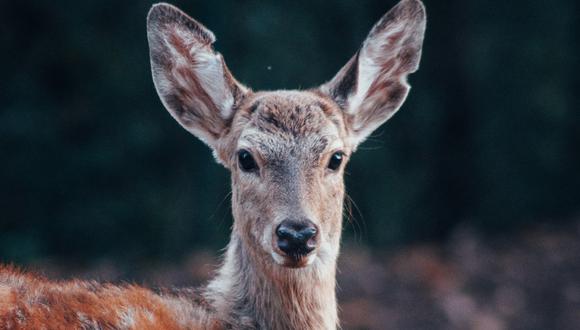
291 135
32 302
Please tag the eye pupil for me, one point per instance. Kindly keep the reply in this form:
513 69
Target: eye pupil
335 160
246 161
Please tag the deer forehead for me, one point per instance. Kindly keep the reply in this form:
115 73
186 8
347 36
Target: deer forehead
278 124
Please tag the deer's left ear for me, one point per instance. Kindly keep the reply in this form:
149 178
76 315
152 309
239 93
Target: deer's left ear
191 79
372 86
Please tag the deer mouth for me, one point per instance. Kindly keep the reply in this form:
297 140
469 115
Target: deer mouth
293 261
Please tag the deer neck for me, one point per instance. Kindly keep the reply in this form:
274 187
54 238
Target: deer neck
249 293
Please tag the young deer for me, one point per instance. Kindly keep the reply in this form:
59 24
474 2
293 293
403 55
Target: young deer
286 151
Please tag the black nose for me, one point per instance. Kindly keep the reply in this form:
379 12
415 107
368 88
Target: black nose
296 238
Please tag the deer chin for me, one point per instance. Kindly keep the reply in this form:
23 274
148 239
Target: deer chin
293 262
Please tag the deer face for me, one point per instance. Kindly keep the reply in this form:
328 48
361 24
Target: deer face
286 150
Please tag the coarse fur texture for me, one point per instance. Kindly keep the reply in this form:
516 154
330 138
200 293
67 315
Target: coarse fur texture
291 136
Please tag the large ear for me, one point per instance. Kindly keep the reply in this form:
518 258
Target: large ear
372 86
191 79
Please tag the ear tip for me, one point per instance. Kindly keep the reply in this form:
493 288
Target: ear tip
163 13
160 11
417 4
420 11
414 9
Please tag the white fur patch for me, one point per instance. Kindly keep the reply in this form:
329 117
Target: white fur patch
376 50
280 260
127 318
210 72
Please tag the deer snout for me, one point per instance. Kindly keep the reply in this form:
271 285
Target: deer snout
296 238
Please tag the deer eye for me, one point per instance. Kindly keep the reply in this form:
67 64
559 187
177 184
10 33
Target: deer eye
246 161
335 160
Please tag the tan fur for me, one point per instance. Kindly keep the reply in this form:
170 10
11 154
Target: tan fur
291 135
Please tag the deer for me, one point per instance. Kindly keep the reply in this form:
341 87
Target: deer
286 151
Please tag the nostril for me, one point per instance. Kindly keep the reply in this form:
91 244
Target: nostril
284 232
308 232
296 230
296 237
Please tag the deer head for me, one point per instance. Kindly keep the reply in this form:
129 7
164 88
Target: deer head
286 150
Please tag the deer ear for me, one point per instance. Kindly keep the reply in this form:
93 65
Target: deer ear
372 86
191 79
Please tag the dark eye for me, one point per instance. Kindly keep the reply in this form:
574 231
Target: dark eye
335 160
247 162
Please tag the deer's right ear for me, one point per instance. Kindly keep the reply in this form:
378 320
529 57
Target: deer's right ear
191 79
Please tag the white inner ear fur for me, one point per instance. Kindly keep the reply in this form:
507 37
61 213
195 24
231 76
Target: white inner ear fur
210 71
375 51
207 66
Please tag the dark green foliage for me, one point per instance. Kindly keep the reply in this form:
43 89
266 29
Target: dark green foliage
92 165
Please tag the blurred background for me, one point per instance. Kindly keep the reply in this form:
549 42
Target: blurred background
467 202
